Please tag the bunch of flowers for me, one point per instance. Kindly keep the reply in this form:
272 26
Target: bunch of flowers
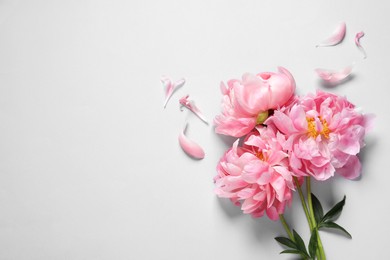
284 141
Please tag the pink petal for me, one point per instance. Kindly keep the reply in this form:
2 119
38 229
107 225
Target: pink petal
223 88
352 169
190 147
264 178
368 121
289 76
284 172
279 186
334 77
357 42
270 196
250 205
350 141
170 87
336 37
260 196
272 213
282 122
192 107
246 193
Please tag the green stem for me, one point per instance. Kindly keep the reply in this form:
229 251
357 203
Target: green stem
309 201
286 227
320 252
304 206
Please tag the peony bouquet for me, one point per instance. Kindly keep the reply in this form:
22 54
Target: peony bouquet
285 141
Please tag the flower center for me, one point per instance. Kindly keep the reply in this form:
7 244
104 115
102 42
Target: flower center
261 117
316 127
260 155
263 156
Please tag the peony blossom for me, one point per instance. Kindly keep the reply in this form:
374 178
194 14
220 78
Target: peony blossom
324 135
256 175
246 103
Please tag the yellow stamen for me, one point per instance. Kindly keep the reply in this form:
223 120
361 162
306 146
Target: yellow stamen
260 155
325 130
312 130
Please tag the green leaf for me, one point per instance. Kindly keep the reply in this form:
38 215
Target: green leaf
291 251
331 224
313 243
335 211
286 241
300 244
317 208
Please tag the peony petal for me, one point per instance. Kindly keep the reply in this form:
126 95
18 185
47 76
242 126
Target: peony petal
270 196
357 42
349 142
284 172
333 77
298 117
250 205
192 107
287 73
368 122
190 147
336 37
272 213
282 122
255 171
167 84
254 140
352 169
170 87
264 178
223 88
279 186
246 193
261 195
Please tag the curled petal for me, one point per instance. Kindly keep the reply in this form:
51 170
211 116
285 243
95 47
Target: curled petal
170 87
333 77
357 42
190 147
336 37
192 107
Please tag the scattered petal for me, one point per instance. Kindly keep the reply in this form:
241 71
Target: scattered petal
357 42
192 107
189 146
334 77
336 37
170 87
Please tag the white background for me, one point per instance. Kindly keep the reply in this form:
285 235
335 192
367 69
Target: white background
90 166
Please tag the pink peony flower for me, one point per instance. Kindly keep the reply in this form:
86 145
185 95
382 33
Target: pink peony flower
324 134
256 175
246 103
